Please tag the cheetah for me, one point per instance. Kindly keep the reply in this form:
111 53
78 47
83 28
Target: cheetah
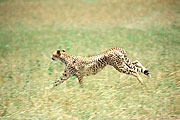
80 66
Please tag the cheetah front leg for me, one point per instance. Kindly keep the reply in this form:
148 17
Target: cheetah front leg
63 78
80 77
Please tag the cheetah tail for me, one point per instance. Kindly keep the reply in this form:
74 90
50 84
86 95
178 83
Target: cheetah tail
137 66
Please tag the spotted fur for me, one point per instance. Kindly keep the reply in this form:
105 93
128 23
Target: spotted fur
80 66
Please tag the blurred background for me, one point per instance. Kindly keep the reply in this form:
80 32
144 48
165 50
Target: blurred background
30 30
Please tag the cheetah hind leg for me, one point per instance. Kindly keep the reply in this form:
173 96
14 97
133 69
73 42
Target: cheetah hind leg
139 65
138 77
130 72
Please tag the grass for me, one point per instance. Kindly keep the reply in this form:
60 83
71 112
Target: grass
31 30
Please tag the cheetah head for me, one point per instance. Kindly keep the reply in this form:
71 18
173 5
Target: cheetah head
57 54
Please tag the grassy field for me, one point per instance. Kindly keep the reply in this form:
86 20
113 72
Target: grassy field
30 30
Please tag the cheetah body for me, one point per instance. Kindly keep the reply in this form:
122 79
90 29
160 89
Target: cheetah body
80 66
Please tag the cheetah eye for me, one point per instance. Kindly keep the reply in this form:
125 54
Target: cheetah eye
63 50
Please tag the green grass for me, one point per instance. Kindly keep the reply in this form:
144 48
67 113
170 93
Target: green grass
31 30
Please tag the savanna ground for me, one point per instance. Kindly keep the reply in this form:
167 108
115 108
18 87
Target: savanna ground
30 30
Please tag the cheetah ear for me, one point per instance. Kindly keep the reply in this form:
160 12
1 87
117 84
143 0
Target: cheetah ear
63 50
58 52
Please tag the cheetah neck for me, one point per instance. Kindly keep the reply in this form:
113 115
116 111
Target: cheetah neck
66 58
